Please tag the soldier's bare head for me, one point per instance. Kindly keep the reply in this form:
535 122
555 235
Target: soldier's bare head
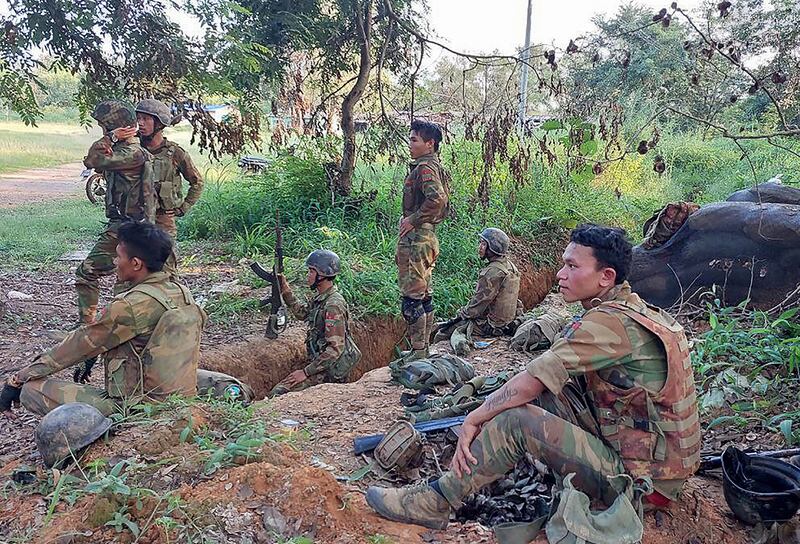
596 259
424 138
143 249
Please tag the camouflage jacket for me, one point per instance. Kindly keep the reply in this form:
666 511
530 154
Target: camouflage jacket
330 347
425 197
171 165
614 349
119 336
496 294
128 169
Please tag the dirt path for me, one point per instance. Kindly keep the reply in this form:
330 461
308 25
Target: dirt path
40 185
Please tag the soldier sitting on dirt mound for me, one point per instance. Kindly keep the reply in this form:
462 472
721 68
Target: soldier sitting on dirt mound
633 360
148 337
495 302
332 352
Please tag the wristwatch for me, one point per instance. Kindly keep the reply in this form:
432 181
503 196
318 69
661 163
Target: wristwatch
113 137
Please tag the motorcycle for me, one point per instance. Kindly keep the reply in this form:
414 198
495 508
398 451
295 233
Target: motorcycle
95 185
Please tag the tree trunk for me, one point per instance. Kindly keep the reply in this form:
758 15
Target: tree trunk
344 182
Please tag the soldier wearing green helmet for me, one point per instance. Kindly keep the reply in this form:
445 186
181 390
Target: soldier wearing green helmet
171 165
495 303
332 352
130 196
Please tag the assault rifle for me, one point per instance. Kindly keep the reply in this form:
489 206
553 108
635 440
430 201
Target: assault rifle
277 311
715 461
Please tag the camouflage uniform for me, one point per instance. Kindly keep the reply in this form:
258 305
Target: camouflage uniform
119 336
130 195
494 304
331 350
604 346
424 203
172 164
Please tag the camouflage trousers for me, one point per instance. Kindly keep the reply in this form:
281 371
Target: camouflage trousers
167 224
416 257
41 396
99 263
549 432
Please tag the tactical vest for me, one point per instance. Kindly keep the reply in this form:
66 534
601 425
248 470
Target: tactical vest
315 340
126 201
168 363
504 308
168 180
657 434
413 197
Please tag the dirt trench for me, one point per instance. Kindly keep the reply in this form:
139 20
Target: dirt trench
263 362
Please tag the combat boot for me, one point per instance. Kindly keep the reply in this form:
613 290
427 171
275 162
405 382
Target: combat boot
430 322
416 355
419 344
418 504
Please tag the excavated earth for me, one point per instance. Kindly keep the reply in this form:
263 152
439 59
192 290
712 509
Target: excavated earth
297 483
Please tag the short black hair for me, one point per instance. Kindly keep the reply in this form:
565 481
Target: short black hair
428 131
610 246
147 242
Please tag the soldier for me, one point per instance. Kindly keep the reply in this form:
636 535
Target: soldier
130 195
634 361
149 338
331 350
425 202
171 165
495 302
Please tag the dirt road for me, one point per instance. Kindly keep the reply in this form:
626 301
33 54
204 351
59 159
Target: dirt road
40 185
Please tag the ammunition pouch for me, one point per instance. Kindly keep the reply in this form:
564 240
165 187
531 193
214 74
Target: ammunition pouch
401 447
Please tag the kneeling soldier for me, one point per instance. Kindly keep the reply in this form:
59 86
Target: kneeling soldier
332 353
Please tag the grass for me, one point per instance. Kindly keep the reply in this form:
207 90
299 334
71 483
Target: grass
36 235
51 144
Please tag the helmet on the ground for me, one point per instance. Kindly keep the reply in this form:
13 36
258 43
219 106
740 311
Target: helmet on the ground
496 239
760 489
324 261
68 428
112 114
157 109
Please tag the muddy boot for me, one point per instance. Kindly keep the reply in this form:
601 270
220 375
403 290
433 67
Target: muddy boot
418 504
430 322
419 346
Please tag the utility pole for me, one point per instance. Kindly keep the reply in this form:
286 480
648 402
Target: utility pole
523 78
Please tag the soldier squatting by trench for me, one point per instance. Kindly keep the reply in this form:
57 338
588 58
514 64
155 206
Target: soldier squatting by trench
613 394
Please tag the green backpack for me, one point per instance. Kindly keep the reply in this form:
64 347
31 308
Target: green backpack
436 370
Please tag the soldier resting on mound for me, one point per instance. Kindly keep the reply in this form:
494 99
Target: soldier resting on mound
495 303
633 362
332 353
148 338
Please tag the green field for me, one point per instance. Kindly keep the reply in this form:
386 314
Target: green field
51 144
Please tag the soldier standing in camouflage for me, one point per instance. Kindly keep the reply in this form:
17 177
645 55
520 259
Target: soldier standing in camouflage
425 202
495 302
171 165
130 196
331 350
638 381
121 335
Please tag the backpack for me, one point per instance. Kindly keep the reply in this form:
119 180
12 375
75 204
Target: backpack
169 360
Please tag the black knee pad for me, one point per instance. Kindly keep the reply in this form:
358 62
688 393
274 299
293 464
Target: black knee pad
427 305
412 310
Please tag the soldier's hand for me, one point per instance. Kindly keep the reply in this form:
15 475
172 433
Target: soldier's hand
463 460
282 283
295 378
123 133
8 396
405 227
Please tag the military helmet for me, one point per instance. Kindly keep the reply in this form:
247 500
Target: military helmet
157 109
68 428
324 261
496 239
112 114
